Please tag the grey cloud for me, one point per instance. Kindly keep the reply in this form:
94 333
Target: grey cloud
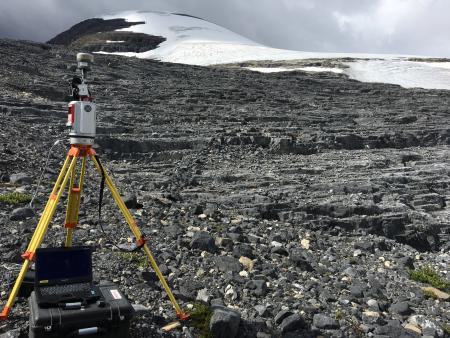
376 26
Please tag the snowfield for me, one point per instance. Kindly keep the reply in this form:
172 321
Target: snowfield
194 41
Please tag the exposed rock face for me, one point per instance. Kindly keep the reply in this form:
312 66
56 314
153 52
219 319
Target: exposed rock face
90 26
315 196
95 35
113 42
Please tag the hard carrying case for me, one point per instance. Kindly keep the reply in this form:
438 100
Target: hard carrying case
108 319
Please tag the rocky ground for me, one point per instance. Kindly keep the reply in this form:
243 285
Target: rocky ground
301 201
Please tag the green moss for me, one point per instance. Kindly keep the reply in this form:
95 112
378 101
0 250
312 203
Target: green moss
15 198
136 258
339 314
218 227
446 328
200 317
429 276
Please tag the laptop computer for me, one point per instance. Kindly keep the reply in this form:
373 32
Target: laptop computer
64 275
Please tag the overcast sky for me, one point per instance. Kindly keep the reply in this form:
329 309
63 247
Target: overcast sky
418 27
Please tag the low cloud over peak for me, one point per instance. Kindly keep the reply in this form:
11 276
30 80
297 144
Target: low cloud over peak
378 26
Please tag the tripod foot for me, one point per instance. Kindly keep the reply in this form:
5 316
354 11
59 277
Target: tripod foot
183 316
4 314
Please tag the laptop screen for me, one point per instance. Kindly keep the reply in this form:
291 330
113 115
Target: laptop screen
63 265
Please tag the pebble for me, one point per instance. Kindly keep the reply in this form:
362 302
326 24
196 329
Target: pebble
413 328
305 243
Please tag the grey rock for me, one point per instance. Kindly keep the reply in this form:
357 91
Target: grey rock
298 258
322 321
406 262
262 310
11 334
327 296
243 249
282 315
20 179
21 214
203 241
263 335
260 287
292 323
224 322
357 290
365 246
13 256
279 250
139 308
392 329
203 296
401 308
227 263
373 305
371 317
217 302
130 201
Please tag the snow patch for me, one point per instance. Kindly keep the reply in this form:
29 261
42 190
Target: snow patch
407 74
305 69
194 41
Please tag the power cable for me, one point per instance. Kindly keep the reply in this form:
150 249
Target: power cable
43 169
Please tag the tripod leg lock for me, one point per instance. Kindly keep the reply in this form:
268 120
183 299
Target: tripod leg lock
141 241
183 316
28 255
4 314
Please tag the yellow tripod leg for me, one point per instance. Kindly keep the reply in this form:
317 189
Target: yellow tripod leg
52 195
71 211
137 233
40 231
73 206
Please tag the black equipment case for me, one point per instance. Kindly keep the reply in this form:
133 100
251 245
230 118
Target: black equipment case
108 318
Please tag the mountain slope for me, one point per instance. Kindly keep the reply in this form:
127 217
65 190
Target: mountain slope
180 38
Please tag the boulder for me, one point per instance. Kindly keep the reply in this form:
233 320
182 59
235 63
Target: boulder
21 214
322 321
292 323
224 322
20 179
203 241
226 263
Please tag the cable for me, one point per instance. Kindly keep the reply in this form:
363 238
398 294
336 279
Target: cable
42 172
100 200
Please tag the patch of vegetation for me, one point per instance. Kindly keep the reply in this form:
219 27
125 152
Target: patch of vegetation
15 198
428 275
339 314
136 258
200 317
354 325
217 227
446 328
353 260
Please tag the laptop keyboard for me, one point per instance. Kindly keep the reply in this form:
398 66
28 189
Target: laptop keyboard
78 289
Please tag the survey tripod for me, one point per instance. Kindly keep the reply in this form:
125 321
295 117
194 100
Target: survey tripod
81 120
